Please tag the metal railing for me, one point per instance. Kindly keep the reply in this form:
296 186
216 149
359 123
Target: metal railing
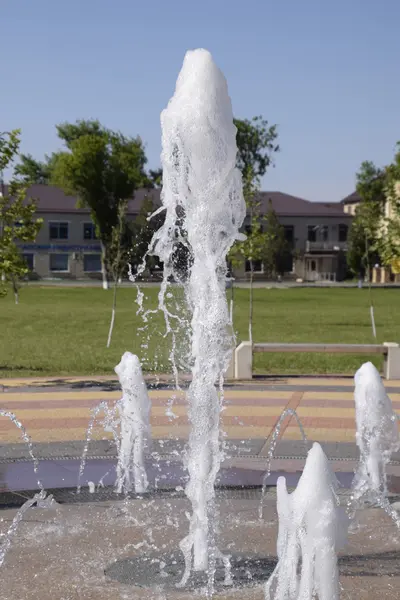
317 276
326 246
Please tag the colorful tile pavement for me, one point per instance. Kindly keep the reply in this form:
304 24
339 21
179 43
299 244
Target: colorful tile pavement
63 415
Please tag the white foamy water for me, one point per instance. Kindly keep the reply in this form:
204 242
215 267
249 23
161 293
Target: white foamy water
377 438
312 528
204 209
134 410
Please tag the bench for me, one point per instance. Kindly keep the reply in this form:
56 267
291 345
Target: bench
242 364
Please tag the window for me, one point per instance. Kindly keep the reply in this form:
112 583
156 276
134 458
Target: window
89 231
59 262
343 232
288 231
28 258
323 232
257 266
312 233
92 263
58 231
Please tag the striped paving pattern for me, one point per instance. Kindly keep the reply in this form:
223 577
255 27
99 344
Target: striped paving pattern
64 415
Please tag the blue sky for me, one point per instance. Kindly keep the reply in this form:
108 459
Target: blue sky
326 72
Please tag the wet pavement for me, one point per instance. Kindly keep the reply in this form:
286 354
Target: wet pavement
128 549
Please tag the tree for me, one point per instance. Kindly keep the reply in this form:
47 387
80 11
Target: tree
155 178
31 171
275 245
389 242
103 168
118 256
256 142
365 229
17 222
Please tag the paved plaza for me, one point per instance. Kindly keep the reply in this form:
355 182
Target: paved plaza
93 546
58 410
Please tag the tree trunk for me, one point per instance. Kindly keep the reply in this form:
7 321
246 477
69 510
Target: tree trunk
231 303
103 267
251 304
16 292
114 305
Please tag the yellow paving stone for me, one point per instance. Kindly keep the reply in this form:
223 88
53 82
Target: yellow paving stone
63 414
322 411
93 395
321 435
63 434
345 396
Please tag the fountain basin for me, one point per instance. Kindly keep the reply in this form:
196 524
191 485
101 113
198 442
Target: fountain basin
94 551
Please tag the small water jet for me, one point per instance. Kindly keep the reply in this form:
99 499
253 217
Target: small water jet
312 527
377 437
41 500
109 423
134 410
27 440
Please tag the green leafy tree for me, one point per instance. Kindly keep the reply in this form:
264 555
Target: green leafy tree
365 229
155 178
31 171
275 246
102 168
256 142
17 219
389 242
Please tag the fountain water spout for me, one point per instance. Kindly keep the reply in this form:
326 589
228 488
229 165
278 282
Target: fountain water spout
204 209
312 527
134 410
377 438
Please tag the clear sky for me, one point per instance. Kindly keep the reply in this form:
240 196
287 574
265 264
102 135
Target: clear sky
327 72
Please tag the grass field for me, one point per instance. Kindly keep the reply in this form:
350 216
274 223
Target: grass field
63 331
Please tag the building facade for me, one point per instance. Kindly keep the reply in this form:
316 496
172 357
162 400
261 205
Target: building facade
316 233
67 248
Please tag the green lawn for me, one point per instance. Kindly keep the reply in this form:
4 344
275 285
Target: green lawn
63 331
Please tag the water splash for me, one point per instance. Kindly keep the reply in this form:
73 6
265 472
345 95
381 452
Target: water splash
110 423
42 501
134 410
27 440
377 437
176 325
274 440
312 528
204 209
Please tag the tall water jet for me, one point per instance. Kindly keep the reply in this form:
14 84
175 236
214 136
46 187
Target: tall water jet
134 410
312 527
204 209
377 438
